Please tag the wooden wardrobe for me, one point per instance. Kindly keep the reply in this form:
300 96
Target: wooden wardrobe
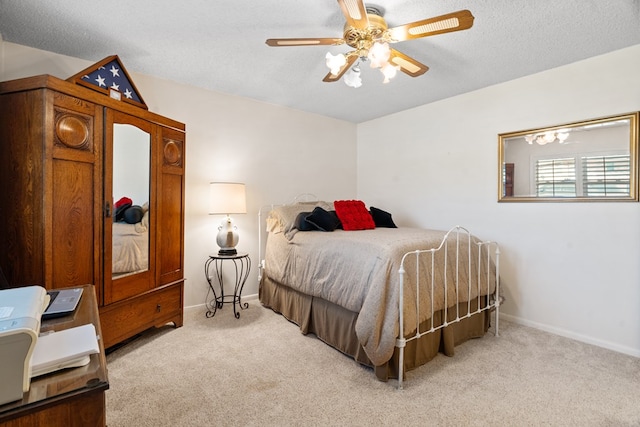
57 200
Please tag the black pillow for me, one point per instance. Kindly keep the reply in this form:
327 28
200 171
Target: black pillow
381 218
133 214
337 219
323 220
301 223
120 211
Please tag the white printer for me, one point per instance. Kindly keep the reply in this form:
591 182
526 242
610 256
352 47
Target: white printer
20 313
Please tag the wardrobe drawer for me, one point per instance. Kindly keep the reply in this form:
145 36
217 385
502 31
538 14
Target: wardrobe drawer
126 318
167 303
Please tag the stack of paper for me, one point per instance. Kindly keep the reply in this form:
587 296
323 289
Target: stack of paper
64 349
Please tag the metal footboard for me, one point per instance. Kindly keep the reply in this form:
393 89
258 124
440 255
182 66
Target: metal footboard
463 291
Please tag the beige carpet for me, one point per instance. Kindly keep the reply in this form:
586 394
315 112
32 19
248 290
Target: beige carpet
260 371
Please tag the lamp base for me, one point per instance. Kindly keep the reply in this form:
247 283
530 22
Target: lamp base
227 238
227 252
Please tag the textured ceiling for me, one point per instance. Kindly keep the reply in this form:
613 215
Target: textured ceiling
220 45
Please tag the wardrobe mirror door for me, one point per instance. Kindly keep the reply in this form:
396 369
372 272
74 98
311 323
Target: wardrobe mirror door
131 189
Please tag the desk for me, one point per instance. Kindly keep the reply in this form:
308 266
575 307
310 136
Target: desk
242 264
72 397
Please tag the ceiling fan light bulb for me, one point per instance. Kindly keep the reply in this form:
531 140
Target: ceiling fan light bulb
389 71
549 136
335 62
379 54
352 78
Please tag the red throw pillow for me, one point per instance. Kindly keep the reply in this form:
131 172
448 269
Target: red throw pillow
353 215
123 201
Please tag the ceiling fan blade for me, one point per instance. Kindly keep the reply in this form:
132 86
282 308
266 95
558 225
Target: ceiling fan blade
331 78
407 64
355 13
304 42
456 21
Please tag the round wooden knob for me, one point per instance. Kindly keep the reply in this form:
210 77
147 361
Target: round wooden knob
172 153
72 132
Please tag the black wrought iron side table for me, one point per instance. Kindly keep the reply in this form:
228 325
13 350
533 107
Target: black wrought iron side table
242 264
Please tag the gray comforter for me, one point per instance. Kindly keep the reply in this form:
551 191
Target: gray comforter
358 270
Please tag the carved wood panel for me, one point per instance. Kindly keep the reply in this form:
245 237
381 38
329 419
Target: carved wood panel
73 130
172 152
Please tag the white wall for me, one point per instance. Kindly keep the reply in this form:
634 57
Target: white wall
569 268
277 152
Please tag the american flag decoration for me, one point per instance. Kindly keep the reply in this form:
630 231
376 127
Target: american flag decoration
111 78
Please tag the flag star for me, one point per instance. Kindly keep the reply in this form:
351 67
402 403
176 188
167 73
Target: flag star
101 68
114 71
127 93
115 86
100 81
85 77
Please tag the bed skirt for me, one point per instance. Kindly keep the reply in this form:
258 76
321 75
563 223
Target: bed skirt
335 326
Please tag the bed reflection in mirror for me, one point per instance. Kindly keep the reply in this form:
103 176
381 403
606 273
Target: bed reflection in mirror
594 160
131 175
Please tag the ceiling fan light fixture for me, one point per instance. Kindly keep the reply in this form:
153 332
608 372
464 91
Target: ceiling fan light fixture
379 54
389 71
367 33
352 77
545 138
335 62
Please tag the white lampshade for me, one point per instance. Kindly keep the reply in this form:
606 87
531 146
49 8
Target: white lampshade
227 198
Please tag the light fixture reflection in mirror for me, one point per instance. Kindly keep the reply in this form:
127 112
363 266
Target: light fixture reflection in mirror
594 160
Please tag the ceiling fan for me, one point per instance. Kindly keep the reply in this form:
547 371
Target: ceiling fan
367 32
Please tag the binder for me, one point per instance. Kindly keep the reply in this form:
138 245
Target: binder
64 349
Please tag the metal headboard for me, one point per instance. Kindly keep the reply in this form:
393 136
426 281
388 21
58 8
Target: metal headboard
303 197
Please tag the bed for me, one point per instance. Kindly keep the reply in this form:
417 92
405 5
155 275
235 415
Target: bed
346 286
130 244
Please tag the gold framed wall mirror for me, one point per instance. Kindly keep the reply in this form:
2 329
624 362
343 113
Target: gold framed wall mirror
592 160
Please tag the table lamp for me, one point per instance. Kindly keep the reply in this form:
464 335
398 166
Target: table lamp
227 198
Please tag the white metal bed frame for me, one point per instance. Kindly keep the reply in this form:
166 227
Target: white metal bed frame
457 233
304 197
